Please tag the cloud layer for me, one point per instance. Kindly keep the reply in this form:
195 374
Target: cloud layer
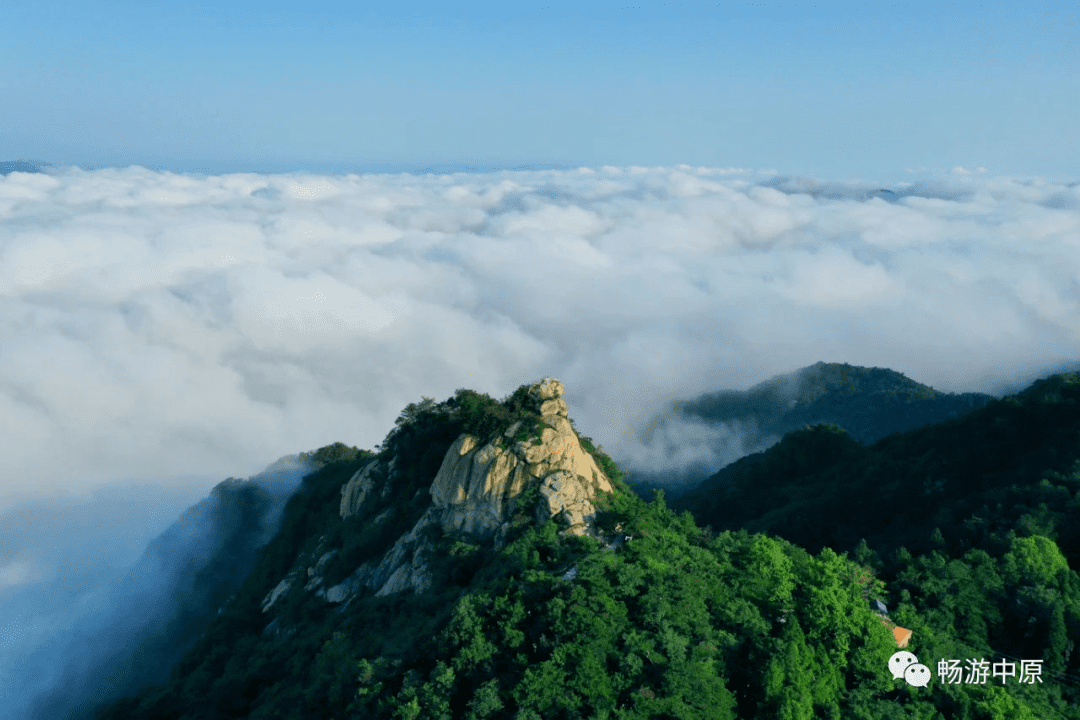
161 326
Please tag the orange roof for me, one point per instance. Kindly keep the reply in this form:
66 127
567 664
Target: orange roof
902 636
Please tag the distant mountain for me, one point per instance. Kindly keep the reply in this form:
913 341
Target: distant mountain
489 562
25 166
869 403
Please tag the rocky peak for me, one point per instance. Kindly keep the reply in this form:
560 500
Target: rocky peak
477 488
548 395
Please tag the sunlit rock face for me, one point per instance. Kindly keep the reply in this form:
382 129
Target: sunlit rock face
475 491
476 487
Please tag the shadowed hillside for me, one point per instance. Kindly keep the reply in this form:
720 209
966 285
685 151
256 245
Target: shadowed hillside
819 486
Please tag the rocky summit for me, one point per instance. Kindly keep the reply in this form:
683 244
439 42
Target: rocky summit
477 487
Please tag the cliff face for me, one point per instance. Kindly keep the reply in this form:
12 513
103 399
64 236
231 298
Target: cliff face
476 489
476 486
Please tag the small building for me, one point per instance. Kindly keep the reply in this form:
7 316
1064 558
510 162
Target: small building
902 636
879 607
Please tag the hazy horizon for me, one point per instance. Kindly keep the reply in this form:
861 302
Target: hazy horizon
839 90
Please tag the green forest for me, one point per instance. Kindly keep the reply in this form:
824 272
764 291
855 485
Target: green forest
749 597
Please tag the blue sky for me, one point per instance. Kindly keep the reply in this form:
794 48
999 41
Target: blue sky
840 90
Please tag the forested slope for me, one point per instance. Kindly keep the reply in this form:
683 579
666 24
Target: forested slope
654 617
973 524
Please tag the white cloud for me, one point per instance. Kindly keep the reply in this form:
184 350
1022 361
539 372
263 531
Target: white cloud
833 279
159 326
17 573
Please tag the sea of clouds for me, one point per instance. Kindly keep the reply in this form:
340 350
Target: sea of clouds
160 326
167 330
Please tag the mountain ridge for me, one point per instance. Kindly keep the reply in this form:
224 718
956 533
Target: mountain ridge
642 614
869 403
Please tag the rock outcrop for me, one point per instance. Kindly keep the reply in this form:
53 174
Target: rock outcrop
357 490
476 490
477 486
361 486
